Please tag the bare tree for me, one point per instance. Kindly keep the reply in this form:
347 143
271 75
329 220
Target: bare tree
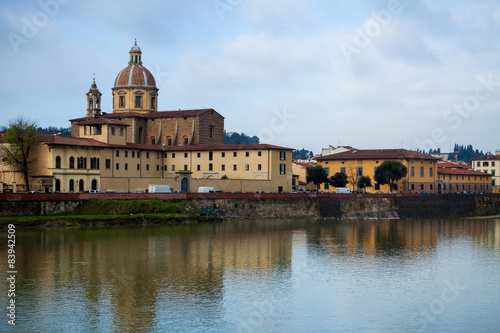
21 138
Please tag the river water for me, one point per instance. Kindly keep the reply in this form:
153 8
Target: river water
258 276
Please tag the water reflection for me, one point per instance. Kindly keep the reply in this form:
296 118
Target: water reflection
145 279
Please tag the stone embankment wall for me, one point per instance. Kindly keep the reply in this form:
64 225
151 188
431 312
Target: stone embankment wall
278 205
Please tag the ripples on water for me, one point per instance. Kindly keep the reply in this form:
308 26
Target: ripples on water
260 276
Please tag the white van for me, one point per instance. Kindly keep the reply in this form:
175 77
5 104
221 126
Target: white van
342 190
206 189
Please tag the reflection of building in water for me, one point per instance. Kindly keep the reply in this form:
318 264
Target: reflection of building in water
133 269
372 238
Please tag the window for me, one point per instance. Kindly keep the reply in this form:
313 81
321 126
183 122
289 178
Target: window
58 162
82 163
108 163
223 167
169 141
122 101
147 167
185 167
113 130
327 186
152 102
493 172
327 170
421 171
492 164
138 154
138 101
117 166
259 167
359 172
431 187
186 141
211 132
133 154
157 167
153 140
485 164
71 185
282 169
185 155
342 170
165 167
223 154
198 155
412 171
235 167
259 154
138 167
173 155
94 163
377 186
247 154
121 131
173 167
117 153
157 156
210 167
198 167
282 155
126 166
126 153
147 155
235 154
247 167
431 172
210 156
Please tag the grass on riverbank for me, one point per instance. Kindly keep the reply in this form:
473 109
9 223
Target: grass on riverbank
95 211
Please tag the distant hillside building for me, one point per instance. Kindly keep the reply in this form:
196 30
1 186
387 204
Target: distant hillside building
138 145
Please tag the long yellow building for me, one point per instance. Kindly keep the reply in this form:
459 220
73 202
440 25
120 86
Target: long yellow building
421 176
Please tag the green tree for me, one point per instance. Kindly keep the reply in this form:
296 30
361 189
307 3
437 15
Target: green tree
390 172
364 182
317 175
21 138
339 180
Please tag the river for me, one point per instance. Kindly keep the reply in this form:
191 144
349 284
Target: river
257 276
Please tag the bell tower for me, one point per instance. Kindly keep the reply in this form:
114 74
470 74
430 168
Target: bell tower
93 101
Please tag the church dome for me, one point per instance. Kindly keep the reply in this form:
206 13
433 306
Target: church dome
135 74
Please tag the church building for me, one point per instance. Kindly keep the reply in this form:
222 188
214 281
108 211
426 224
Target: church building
136 145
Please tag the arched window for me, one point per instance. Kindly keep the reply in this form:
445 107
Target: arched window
153 141
58 162
71 162
81 187
58 185
169 140
91 103
94 184
71 185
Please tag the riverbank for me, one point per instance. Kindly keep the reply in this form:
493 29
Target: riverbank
202 207
95 212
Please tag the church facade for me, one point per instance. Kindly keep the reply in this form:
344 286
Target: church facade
137 145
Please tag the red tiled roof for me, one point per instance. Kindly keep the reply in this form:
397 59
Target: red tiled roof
448 171
102 121
71 141
159 114
306 165
456 165
135 75
488 157
385 154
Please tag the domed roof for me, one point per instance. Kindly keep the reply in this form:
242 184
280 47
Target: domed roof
135 75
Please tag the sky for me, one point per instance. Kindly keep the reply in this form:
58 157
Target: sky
296 73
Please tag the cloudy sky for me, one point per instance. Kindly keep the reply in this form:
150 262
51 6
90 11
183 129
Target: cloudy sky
297 73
